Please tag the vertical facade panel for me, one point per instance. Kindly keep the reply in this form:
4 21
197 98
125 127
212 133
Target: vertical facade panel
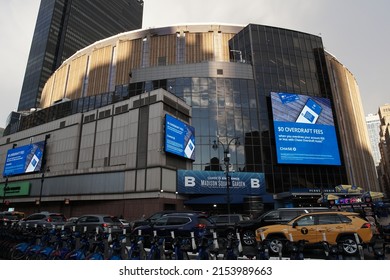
153 180
60 84
47 92
87 146
120 140
163 50
128 58
76 77
99 70
102 143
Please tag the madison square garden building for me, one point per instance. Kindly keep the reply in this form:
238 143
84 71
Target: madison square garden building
151 119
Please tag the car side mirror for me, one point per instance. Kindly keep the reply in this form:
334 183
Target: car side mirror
295 224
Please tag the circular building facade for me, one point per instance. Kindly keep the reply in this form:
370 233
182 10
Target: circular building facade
225 73
229 77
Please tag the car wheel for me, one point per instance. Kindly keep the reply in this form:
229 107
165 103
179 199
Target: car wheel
349 245
275 244
230 234
248 238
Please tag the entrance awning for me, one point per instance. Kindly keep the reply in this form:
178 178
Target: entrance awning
222 199
216 199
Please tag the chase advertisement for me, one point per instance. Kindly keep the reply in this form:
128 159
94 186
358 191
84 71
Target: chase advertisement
304 129
179 138
24 159
214 182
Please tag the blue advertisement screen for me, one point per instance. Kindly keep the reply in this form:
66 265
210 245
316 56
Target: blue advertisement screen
24 159
214 182
179 138
304 129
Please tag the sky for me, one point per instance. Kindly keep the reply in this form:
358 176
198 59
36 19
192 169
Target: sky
357 32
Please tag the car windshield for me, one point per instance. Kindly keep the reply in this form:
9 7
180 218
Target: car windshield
205 221
111 219
57 218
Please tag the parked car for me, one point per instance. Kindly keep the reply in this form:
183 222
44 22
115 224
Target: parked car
247 228
151 219
11 216
125 224
72 219
95 223
181 224
334 227
44 219
225 224
157 215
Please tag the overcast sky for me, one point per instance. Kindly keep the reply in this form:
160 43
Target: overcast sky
357 32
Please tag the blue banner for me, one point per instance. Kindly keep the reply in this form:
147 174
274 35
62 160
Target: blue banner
24 159
214 182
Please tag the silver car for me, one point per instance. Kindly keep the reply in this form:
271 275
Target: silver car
95 223
44 219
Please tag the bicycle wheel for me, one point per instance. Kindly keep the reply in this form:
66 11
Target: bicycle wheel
75 255
17 255
95 256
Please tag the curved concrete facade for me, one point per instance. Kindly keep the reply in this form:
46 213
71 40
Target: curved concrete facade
124 58
107 145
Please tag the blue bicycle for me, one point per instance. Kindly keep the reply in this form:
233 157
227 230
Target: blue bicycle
204 248
157 251
137 250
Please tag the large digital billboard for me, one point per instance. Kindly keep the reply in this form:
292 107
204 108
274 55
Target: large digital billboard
24 159
304 129
179 138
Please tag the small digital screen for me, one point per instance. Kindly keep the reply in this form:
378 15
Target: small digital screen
179 138
24 159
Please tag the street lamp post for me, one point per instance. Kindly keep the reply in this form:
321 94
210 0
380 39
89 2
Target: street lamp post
226 160
4 192
40 192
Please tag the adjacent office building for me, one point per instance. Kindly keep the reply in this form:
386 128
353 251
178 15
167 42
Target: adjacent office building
355 142
66 26
270 111
373 126
384 166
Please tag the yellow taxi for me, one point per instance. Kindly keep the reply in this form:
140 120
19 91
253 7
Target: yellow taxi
345 228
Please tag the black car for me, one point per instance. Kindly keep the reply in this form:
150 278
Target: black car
278 216
149 220
225 224
181 224
156 216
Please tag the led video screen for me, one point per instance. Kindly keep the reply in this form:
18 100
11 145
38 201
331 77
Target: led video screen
304 129
179 138
24 159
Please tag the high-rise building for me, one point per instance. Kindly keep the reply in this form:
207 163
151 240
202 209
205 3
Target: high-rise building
66 26
355 142
384 166
373 126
